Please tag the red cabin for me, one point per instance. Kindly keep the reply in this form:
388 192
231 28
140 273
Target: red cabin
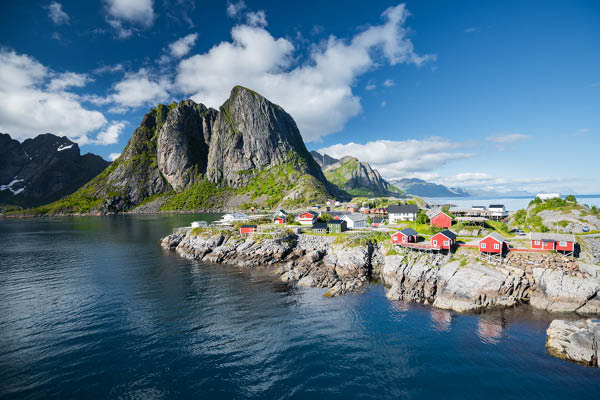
441 220
407 235
493 243
307 218
443 240
279 220
553 241
244 229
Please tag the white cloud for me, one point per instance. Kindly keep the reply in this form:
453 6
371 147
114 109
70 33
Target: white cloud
28 107
370 86
471 30
257 18
508 138
113 156
111 134
181 47
108 69
235 9
56 14
389 83
68 79
125 16
139 89
317 92
396 159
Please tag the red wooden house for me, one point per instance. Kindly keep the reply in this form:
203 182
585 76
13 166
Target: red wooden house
308 218
279 220
407 235
493 243
441 220
443 240
244 229
553 241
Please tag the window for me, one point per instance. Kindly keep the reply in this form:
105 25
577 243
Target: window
562 244
483 245
446 243
435 243
496 246
537 242
404 239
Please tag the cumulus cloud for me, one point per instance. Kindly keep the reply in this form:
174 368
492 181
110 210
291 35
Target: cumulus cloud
138 89
235 9
370 86
34 100
113 156
56 14
181 47
389 83
111 134
317 92
68 79
126 16
257 18
396 159
508 138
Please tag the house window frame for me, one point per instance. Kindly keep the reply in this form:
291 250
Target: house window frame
562 244
483 245
446 243
537 242
496 246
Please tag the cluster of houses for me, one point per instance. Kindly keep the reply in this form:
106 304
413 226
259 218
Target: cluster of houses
493 244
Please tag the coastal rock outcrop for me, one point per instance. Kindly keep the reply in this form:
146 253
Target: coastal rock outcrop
577 341
311 261
450 285
558 290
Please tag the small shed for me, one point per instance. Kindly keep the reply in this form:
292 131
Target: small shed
356 221
443 240
337 226
279 220
245 229
441 220
407 235
493 243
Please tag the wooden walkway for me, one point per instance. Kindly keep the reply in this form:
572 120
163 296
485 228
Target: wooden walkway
419 246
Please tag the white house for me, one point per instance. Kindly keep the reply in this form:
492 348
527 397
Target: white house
235 217
497 210
356 221
402 212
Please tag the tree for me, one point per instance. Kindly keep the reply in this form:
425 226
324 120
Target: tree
325 217
422 218
571 198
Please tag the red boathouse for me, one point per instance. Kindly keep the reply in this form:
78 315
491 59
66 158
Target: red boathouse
443 240
441 220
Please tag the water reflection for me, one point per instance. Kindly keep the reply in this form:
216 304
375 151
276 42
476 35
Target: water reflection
441 319
490 328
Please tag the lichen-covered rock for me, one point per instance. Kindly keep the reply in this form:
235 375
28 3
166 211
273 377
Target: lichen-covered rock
576 341
560 291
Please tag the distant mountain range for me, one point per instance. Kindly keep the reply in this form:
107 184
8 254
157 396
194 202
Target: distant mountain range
421 188
354 177
43 169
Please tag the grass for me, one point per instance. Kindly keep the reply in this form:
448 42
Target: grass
201 195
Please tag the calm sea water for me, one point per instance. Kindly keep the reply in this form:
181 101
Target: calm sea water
94 308
513 203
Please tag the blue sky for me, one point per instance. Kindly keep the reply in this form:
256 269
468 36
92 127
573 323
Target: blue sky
483 95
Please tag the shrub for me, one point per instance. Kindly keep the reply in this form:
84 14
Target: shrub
571 198
422 218
325 217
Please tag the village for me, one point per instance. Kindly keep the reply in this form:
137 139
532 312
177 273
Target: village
410 224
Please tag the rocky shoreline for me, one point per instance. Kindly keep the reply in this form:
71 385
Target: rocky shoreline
459 282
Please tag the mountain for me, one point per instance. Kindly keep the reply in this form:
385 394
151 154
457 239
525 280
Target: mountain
43 169
422 188
185 156
355 177
324 160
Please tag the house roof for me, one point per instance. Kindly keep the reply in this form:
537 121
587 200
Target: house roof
435 214
335 222
314 214
377 220
319 225
356 217
554 237
447 233
403 209
496 206
495 235
248 226
409 232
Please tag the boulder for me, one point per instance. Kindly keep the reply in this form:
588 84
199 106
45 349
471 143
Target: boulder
574 340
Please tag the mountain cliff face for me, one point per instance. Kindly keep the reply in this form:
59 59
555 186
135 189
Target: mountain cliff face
355 177
187 156
324 160
422 188
43 169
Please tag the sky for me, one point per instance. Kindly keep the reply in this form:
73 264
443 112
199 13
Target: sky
501 96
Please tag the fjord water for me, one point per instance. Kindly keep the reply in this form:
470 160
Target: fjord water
92 307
